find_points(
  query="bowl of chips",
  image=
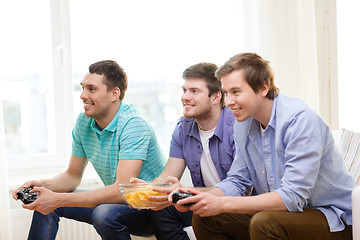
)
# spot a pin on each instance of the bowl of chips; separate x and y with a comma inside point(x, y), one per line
point(137, 194)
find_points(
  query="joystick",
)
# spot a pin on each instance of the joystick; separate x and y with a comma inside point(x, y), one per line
point(181, 195)
point(25, 196)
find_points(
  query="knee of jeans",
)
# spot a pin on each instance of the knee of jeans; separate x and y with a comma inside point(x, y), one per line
point(262, 222)
point(55, 215)
point(102, 215)
point(197, 222)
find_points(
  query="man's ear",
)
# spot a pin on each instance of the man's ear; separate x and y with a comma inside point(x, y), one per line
point(115, 93)
point(264, 89)
point(217, 97)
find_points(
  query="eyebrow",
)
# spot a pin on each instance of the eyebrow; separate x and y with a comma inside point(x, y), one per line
point(192, 88)
point(233, 88)
point(88, 85)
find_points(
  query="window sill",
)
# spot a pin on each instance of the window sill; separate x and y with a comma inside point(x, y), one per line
point(20, 176)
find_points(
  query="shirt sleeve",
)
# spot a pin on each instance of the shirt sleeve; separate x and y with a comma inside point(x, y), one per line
point(238, 181)
point(303, 141)
point(77, 147)
point(135, 139)
point(176, 144)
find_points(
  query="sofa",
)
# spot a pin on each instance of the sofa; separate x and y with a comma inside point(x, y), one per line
point(348, 143)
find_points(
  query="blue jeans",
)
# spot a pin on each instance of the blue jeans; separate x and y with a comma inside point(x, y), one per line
point(168, 223)
point(111, 221)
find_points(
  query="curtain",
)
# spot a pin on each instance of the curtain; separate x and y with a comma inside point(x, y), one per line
point(295, 37)
point(5, 228)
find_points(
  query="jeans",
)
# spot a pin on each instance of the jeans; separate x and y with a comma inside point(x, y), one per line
point(168, 223)
point(111, 221)
point(309, 224)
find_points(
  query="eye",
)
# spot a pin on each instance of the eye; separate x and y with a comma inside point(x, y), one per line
point(236, 92)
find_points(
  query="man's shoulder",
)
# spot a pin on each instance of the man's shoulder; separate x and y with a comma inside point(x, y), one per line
point(185, 121)
point(228, 117)
point(291, 107)
point(131, 118)
point(129, 111)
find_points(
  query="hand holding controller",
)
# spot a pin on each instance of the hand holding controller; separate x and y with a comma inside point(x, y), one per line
point(181, 195)
point(25, 196)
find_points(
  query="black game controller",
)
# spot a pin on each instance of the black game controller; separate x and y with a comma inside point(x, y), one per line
point(25, 196)
point(181, 195)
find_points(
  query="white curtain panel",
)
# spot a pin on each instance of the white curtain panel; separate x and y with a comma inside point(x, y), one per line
point(292, 35)
point(5, 230)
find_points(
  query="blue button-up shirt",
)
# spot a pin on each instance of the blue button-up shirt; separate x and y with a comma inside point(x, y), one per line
point(186, 144)
point(296, 157)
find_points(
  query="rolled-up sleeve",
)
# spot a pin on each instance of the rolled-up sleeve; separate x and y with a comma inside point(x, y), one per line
point(303, 147)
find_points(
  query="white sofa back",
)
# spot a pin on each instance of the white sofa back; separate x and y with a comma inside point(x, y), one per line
point(349, 147)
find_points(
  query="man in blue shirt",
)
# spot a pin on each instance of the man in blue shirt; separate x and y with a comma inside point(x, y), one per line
point(285, 151)
point(202, 141)
point(119, 143)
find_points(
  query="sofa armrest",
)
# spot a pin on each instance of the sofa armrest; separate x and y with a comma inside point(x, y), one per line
point(356, 212)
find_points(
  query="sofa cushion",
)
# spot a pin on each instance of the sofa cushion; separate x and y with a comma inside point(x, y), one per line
point(350, 151)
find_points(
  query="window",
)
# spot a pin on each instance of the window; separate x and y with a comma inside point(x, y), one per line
point(40, 75)
point(30, 79)
point(154, 41)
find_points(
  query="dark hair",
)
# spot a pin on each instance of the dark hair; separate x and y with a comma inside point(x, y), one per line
point(256, 72)
point(206, 71)
point(114, 75)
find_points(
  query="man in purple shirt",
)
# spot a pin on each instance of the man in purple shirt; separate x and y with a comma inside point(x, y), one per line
point(202, 141)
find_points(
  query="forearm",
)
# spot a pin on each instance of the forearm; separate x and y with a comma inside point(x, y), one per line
point(92, 198)
point(63, 182)
point(253, 204)
point(203, 189)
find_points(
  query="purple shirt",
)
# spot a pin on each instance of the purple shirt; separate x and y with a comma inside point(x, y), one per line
point(186, 144)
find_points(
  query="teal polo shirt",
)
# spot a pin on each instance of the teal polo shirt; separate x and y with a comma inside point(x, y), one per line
point(128, 136)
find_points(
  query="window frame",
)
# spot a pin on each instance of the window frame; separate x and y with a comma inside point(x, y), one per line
point(63, 98)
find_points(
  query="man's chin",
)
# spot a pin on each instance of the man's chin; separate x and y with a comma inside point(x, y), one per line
point(188, 115)
point(87, 113)
point(241, 118)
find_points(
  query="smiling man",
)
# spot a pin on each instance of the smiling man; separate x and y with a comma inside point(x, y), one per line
point(119, 143)
point(285, 151)
point(202, 141)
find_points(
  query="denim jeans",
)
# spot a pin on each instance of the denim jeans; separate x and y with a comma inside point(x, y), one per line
point(111, 221)
point(168, 223)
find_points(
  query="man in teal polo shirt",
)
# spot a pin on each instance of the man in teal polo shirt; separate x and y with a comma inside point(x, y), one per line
point(119, 143)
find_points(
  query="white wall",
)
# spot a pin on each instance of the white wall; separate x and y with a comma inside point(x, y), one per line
point(283, 32)
point(5, 230)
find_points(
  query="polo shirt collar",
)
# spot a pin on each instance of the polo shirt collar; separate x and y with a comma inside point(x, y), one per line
point(112, 125)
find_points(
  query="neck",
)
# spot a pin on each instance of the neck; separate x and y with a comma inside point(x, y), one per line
point(263, 116)
point(209, 121)
point(104, 121)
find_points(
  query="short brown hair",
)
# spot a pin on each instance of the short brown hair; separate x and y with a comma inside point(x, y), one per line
point(114, 75)
point(256, 72)
point(206, 71)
